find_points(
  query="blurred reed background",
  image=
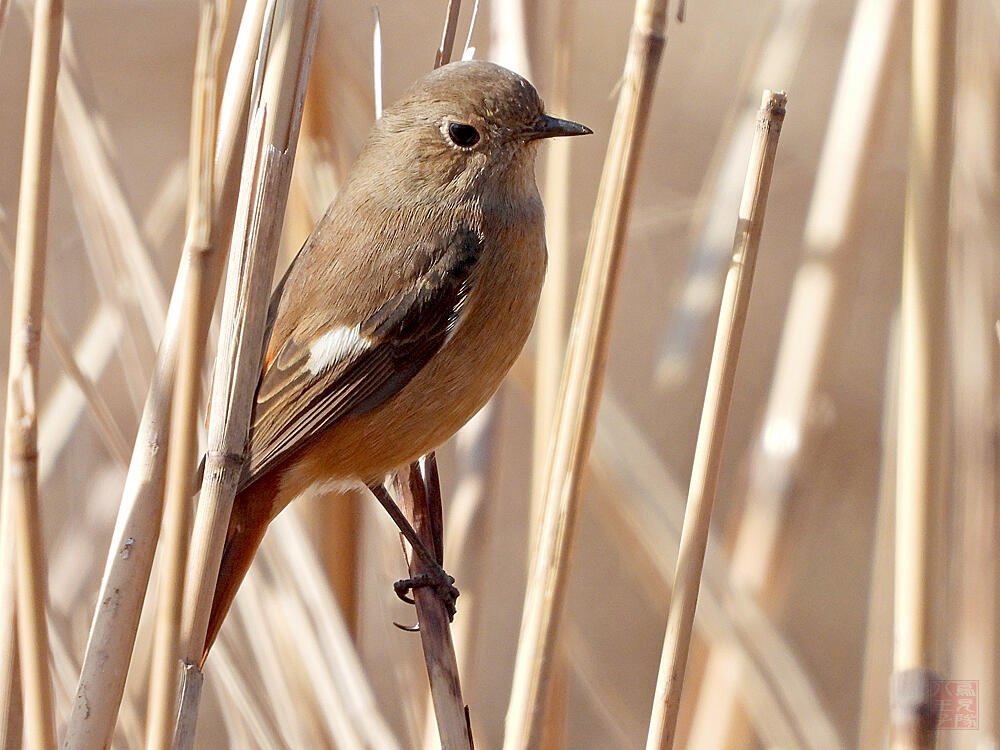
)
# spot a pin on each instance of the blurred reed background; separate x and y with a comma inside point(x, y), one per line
point(794, 635)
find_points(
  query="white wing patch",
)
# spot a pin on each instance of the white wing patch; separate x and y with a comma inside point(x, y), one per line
point(334, 346)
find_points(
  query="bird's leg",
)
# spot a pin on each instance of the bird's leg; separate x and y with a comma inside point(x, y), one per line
point(436, 578)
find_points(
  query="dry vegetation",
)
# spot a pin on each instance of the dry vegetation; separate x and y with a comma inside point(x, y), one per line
point(850, 457)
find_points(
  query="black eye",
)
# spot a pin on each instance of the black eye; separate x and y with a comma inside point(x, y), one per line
point(463, 135)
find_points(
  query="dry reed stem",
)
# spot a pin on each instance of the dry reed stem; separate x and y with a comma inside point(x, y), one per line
point(805, 339)
point(477, 455)
point(922, 458)
point(419, 493)
point(20, 449)
point(583, 378)
point(774, 57)
point(183, 441)
point(280, 79)
point(445, 50)
point(712, 431)
point(112, 634)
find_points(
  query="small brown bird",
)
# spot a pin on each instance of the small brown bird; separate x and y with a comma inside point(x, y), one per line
point(407, 304)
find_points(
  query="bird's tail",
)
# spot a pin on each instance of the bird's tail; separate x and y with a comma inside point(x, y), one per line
point(247, 524)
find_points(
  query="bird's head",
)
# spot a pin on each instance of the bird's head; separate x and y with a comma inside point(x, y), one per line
point(465, 127)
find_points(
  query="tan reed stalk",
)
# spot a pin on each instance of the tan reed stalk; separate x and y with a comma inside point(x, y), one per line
point(285, 56)
point(444, 52)
point(922, 457)
point(712, 432)
point(123, 587)
point(873, 45)
point(419, 494)
point(52, 334)
point(20, 449)
point(183, 442)
point(583, 378)
point(477, 456)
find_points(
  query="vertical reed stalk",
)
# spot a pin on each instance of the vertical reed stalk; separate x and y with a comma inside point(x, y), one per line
point(20, 449)
point(281, 76)
point(123, 588)
point(184, 410)
point(583, 379)
point(420, 500)
point(712, 432)
point(923, 423)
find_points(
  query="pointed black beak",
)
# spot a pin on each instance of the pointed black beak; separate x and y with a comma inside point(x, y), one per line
point(552, 127)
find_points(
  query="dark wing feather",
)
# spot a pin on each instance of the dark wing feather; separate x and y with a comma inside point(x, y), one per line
point(294, 403)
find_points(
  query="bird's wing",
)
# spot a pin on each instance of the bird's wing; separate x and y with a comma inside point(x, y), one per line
point(342, 370)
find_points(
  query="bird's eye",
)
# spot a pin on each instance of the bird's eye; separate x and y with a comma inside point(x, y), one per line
point(463, 135)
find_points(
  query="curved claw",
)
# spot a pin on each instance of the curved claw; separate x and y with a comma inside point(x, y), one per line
point(402, 589)
point(408, 628)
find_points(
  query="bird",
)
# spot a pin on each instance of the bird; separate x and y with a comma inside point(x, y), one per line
point(407, 304)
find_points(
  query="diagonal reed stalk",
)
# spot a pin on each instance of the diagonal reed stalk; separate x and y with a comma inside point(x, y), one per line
point(183, 445)
point(583, 378)
point(922, 457)
point(123, 587)
point(20, 450)
point(712, 432)
point(282, 73)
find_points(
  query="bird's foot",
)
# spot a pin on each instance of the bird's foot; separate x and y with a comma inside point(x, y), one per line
point(442, 583)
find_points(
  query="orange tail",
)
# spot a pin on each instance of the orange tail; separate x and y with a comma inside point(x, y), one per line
point(247, 524)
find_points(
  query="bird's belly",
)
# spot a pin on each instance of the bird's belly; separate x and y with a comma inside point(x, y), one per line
point(443, 396)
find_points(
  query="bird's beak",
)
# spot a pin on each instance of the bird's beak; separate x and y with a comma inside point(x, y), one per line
point(551, 127)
